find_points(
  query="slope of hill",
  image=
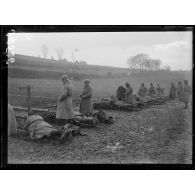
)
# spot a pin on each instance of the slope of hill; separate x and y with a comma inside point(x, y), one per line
point(35, 63)
point(36, 74)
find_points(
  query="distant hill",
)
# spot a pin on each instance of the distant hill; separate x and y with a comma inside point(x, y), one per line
point(29, 67)
point(41, 64)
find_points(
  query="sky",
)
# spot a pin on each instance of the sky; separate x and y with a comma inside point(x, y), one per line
point(109, 48)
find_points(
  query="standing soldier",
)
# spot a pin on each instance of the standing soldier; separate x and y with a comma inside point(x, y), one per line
point(186, 94)
point(86, 106)
point(158, 90)
point(180, 91)
point(129, 94)
point(172, 91)
point(65, 113)
point(151, 90)
point(142, 90)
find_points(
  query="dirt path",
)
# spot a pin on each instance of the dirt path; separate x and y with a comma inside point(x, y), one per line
point(159, 134)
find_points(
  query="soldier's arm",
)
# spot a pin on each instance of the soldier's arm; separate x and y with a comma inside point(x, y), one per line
point(88, 94)
point(64, 95)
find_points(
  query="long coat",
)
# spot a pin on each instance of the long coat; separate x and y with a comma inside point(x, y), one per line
point(64, 107)
point(180, 92)
point(151, 91)
point(86, 106)
point(186, 93)
point(129, 96)
point(142, 91)
point(158, 91)
point(173, 92)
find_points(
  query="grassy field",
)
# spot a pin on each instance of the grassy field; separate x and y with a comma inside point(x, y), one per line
point(158, 134)
point(101, 87)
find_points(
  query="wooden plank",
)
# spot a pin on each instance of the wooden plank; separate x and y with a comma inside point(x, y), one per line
point(21, 116)
point(33, 96)
point(33, 109)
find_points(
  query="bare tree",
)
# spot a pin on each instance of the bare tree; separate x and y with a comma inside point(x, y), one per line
point(132, 62)
point(148, 64)
point(143, 62)
point(157, 64)
point(60, 53)
point(168, 68)
point(44, 50)
point(140, 61)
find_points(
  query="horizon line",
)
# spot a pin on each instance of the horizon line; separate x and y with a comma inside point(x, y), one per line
point(92, 64)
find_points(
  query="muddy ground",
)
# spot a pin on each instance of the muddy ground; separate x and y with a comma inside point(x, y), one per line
point(158, 134)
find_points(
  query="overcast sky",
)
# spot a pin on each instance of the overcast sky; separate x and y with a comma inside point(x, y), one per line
point(111, 48)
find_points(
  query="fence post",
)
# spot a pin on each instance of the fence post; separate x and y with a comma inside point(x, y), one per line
point(29, 99)
point(28, 88)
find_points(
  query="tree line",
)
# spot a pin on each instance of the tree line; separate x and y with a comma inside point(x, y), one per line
point(144, 62)
point(141, 62)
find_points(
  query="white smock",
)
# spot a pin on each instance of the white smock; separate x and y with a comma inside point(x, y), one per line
point(11, 121)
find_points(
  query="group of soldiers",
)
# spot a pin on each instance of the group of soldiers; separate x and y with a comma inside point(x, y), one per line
point(143, 91)
point(183, 92)
point(126, 94)
point(65, 111)
point(65, 108)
